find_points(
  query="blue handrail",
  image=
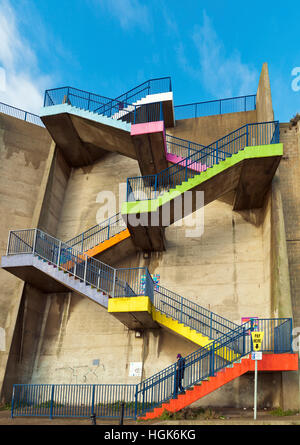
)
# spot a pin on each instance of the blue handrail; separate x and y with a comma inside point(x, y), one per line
point(215, 107)
point(21, 114)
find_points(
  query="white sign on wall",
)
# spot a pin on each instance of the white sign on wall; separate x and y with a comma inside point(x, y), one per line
point(2, 339)
point(135, 369)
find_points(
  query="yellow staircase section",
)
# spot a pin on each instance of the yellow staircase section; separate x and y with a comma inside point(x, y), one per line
point(192, 335)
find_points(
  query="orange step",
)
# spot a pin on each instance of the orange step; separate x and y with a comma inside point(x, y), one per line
point(270, 362)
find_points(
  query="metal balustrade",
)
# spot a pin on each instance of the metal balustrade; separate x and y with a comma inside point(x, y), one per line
point(106, 400)
point(104, 106)
point(152, 86)
point(151, 186)
point(191, 314)
point(181, 147)
point(98, 233)
point(21, 114)
point(215, 107)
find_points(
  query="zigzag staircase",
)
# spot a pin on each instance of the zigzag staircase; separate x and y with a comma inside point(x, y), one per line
point(53, 266)
point(243, 161)
point(86, 125)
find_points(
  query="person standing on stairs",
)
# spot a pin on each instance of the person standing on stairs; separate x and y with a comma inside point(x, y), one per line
point(179, 374)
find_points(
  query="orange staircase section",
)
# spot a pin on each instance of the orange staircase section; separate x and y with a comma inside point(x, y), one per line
point(270, 362)
point(99, 248)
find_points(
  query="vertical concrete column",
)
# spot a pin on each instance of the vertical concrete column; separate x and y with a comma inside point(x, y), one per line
point(264, 106)
point(281, 291)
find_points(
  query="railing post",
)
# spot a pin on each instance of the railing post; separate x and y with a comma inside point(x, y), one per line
point(93, 401)
point(82, 242)
point(8, 243)
point(58, 256)
point(181, 308)
point(247, 135)
point(12, 403)
point(217, 153)
point(85, 268)
point(51, 402)
point(210, 328)
point(155, 187)
point(220, 106)
point(161, 116)
point(244, 341)
point(34, 241)
point(175, 382)
point(136, 402)
point(114, 283)
point(212, 359)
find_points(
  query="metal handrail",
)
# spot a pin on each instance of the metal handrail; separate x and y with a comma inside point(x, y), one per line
point(216, 106)
point(21, 114)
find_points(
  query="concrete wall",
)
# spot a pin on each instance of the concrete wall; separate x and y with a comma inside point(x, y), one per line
point(208, 129)
point(24, 150)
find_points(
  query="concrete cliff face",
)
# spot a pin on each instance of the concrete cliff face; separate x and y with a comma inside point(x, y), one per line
point(24, 149)
point(65, 338)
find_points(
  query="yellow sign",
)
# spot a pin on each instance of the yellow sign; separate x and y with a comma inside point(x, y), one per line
point(257, 338)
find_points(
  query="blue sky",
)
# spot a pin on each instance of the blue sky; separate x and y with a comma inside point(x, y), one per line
point(210, 50)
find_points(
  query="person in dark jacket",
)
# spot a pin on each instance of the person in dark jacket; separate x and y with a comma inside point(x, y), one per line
point(179, 375)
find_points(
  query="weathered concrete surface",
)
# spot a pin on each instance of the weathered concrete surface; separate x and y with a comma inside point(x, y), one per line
point(24, 150)
point(264, 107)
point(288, 183)
point(207, 129)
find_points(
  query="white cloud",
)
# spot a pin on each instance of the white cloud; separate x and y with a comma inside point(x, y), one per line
point(129, 13)
point(221, 74)
point(24, 85)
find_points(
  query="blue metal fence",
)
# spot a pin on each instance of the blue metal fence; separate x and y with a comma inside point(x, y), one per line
point(214, 107)
point(151, 186)
point(98, 233)
point(105, 400)
point(112, 108)
point(21, 114)
point(122, 282)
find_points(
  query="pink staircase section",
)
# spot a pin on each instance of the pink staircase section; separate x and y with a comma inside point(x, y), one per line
point(159, 127)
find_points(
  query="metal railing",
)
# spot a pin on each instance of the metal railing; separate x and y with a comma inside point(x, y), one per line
point(131, 97)
point(181, 147)
point(191, 314)
point(214, 107)
point(151, 186)
point(98, 233)
point(21, 114)
point(101, 400)
point(206, 362)
point(104, 106)
point(106, 400)
point(122, 282)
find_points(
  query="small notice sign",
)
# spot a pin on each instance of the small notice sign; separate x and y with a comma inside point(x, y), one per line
point(257, 338)
point(256, 355)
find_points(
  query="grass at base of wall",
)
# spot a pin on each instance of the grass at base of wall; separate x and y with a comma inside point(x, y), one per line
point(279, 412)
